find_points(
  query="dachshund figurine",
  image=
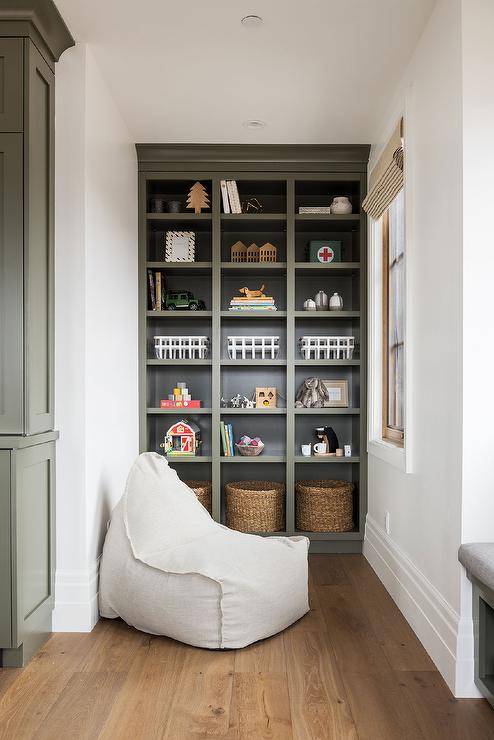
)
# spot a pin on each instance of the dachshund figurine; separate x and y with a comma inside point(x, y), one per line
point(252, 293)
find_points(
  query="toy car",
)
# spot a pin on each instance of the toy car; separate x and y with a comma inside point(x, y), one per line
point(183, 300)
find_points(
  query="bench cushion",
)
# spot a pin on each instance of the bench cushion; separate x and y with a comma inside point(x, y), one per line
point(478, 559)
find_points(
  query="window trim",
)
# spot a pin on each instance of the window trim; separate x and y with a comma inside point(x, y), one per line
point(389, 433)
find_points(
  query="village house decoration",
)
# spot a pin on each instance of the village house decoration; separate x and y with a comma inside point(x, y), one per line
point(324, 251)
point(180, 246)
point(198, 198)
point(182, 439)
point(266, 398)
point(239, 252)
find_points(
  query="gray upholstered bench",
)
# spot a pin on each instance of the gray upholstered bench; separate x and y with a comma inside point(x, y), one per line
point(478, 559)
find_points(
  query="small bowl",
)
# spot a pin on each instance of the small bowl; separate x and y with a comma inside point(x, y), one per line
point(250, 450)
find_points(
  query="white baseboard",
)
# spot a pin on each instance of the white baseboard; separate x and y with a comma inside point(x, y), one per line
point(436, 624)
point(76, 600)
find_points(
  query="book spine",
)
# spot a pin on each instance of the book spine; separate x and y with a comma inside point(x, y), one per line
point(223, 438)
point(152, 297)
point(236, 197)
point(229, 187)
point(158, 291)
point(224, 195)
point(227, 442)
point(230, 435)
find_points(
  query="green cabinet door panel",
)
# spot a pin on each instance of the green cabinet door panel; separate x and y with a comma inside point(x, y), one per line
point(10, 85)
point(5, 552)
point(11, 284)
point(38, 255)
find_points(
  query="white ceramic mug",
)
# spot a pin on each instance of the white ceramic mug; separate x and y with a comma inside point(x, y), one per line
point(320, 448)
point(306, 450)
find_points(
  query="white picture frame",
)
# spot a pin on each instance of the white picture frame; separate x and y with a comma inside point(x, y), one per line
point(180, 246)
point(338, 393)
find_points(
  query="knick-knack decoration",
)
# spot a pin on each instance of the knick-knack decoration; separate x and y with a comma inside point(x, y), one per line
point(198, 197)
point(321, 299)
point(336, 302)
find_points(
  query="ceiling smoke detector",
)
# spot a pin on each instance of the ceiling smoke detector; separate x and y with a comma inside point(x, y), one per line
point(251, 21)
point(254, 123)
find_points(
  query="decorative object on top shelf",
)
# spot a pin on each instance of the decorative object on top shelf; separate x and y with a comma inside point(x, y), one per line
point(174, 206)
point(328, 443)
point(266, 398)
point(251, 206)
point(230, 197)
point(337, 393)
point(324, 505)
point(255, 506)
point(203, 490)
point(321, 300)
point(310, 305)
point(182, 438)
point(324, 251)
point(250, 447)
point(239, 252)
point(252, 300)
point(198, 198)
point(312, 394)
point(341, 205)
point(182, 300)
point(157, 205)
point(315, 209)
point(253, 348)
point(240, 402)
point(180, 246)
point(327, 348)
point(336, 302)
point(180, 399)
point(181, 348)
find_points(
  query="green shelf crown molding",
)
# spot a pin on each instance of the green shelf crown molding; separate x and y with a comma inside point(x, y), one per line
point(38, 20)
point(271, 157)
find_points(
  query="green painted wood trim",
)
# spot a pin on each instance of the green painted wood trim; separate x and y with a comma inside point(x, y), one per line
point(38, 20)
point(5, 551)
point(18, 442)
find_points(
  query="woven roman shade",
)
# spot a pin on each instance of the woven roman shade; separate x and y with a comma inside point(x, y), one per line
point(386, 179)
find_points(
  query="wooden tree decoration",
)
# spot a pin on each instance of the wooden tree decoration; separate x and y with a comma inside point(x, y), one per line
point(198, 197)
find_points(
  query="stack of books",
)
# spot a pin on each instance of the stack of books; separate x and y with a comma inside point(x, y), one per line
point(227, 444)
point(240, 303)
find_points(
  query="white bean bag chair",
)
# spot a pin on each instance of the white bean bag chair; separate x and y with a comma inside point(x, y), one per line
point(169, 569)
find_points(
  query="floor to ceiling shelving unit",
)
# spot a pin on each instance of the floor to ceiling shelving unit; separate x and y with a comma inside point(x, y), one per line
point(282, 187)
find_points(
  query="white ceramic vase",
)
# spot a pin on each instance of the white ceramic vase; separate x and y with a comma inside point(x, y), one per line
point(336, 302)
point(341, 205)
point(309, 305)
point(321, 299)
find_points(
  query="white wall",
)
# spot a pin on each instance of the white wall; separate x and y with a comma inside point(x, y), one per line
point(418, 559)
point(96, 326)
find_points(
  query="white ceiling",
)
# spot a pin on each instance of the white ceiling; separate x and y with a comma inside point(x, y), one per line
point(317, 71)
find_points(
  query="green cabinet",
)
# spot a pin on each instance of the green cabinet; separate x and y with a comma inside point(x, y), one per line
point(27, 554)
point(11, 98)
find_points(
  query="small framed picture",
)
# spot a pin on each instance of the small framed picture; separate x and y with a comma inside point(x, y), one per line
point(180, 246)
point(338, 393)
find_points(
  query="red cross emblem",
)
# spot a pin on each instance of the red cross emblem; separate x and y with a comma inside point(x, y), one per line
point(325, 254)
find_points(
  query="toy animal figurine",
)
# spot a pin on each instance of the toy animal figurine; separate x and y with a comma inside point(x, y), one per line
point(252, 293)
point(312, 394)
point(236, 401)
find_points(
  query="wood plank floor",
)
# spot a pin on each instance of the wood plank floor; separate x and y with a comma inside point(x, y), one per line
point(351, 668)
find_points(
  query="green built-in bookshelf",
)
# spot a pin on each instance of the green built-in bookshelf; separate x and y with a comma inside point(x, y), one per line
point(283, 179)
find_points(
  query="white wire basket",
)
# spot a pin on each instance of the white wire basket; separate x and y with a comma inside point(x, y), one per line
point(253, 348)
point(181, 348)
point(327, 348)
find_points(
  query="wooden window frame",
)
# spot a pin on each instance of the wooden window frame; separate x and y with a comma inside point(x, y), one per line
point(389, 433)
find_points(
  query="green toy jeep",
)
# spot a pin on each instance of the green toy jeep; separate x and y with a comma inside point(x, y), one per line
point(183, 300)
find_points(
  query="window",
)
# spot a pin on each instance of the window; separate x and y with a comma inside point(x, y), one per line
point(393, 323)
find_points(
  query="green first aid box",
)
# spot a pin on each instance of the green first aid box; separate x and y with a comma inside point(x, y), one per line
point(324, 251)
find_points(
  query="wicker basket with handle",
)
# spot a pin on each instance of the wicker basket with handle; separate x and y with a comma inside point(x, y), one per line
point(202, 489)
point(324, 505)
point(255, 506)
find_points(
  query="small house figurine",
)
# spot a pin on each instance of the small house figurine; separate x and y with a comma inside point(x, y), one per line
point(267, 253)
point(253, 253)
point(238, 252)
point(182, 438)
point(265, 398)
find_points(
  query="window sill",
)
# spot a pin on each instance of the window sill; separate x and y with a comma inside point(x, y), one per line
point(389, 453)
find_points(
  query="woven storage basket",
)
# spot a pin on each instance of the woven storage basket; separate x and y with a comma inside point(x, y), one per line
point(255, 506)
point(324, 505)
point(202, 489)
